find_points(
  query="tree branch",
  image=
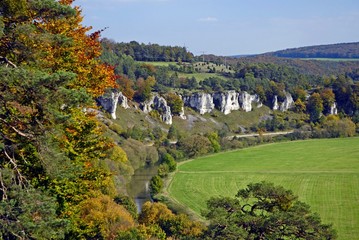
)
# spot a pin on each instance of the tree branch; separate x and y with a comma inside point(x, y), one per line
point(3, 187)
point(7, 61)
point(27, 135)
point(20, 177)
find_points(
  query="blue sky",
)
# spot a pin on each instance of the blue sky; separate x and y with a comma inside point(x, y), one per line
point(225, 27)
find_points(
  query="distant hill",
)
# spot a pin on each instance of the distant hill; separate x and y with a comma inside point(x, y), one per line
point(339, 50)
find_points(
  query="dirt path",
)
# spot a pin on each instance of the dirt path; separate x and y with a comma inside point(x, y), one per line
point(257, 134)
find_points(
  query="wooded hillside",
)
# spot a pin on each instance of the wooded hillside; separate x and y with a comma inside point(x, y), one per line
point(340, 50)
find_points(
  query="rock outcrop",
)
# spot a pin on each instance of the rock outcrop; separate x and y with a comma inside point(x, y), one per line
point(275, 103)
point(245, 99)
point(334, 109)
point(226, 102)
point(160, 104)
point(287, 104)
point(202, 102)
point(109, 102)
point(181, 114)
point(123, 101)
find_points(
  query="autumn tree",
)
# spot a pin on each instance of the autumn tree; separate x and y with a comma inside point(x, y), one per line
point(175, 102)
point(104, 218)
point(50, 140)
point(126, 86)
point(175, 226)
point(144, 88)
point(195, 145)
point(328, 99)
point(315, 107)
point(299, 106)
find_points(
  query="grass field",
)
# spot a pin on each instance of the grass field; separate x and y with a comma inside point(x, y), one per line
point(201, 76)
point(323, 173)
point(159, 64)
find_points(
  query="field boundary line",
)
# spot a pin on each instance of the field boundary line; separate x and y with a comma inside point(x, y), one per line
point(334, 172)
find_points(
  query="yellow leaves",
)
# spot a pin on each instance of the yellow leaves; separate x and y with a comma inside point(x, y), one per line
point(55, 43)
point(117, 154)
point(154, 212)
point(103, 213)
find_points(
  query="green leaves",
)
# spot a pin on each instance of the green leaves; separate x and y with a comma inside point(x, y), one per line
point(264, 211)
point(29, 214)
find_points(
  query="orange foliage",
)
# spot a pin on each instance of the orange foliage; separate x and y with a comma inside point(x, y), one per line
point(77, 52)
point(40, 39)
point(154, 212)
point(126, 86)
point(103, 213)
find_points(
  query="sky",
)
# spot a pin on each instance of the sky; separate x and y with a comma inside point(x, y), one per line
point(225, 27)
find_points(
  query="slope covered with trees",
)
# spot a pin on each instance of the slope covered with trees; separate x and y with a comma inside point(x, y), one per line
point(64, 165)
point(58, 171)
point(340, 50)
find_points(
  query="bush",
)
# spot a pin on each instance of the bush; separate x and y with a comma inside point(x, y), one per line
point(170, 162)
point(156, 185)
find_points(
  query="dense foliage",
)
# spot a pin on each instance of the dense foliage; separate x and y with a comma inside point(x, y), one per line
point(148, 52)
point(61, 176)
point(340, 50)
point(264, 211)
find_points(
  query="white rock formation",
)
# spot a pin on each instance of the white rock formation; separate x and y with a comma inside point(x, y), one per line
point(245, 99)
point(123, 101)
point(275, 103)
point(109, 102)
point(226, 102)
point(202, 102)
point(334, 109)
point(181, 114)
point(160, 104)
point(287, 104)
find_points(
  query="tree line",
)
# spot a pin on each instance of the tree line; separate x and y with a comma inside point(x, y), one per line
point(340, 50)
point(148, 52)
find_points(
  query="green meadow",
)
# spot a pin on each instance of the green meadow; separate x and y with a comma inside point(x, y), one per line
point(324, 173)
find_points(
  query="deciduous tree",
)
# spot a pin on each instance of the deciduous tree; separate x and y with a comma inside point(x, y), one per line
point(264, 211)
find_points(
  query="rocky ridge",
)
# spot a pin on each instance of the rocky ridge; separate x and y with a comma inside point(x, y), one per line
point(225, 102)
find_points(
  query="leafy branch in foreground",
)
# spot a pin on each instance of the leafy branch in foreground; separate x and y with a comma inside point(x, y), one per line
point(264, 211)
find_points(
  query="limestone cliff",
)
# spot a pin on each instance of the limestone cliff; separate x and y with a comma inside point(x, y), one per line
point(202, 102)
point(275, 103)
point(123, 101)
point(109, 102)
point(287, 104)
point(246, 100)
point(334, 109)
point(158, 103)
point(226, 102)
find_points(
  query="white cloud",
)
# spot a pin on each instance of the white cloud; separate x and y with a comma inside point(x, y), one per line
point(208, 19)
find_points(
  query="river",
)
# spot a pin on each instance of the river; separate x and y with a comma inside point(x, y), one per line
point(138, 188)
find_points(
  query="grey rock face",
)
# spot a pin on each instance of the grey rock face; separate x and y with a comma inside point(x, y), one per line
point(109, 102)
point(123, 101)
point(245, 99)
point(202, 102)
point(287, 104)
point(160, 104)
point(226, 102)
point(334, 109)
point(181, 114)
point(275, 103)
